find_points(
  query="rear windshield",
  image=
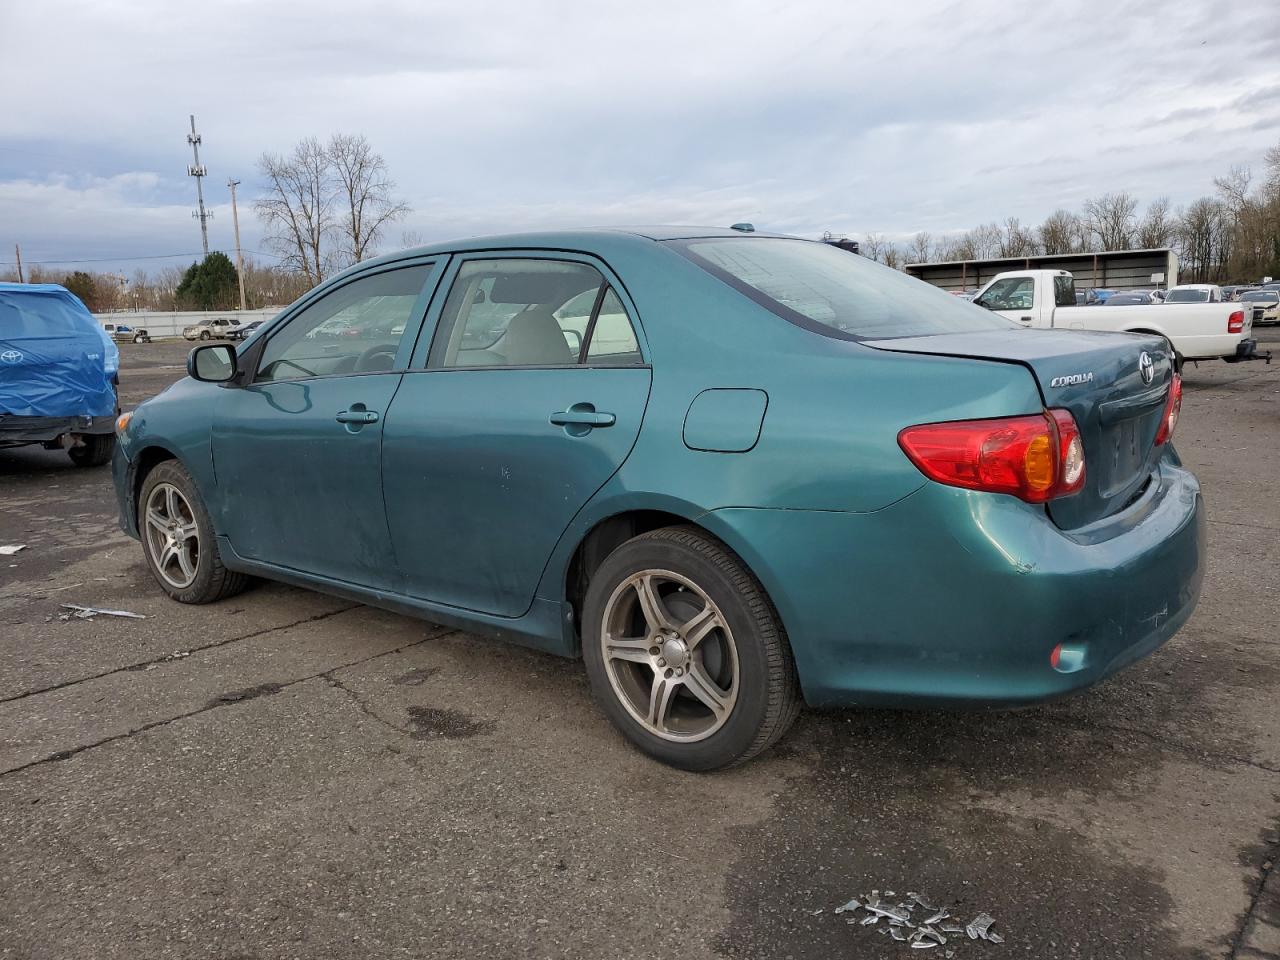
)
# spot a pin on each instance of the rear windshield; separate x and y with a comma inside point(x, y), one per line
point(1187, 296)
point(1263, 296)
point(835, 292)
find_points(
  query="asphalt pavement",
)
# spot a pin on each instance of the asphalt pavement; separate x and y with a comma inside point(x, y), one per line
point(284, 774)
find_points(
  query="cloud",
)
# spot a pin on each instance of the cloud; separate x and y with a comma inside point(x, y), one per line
point(496, 116)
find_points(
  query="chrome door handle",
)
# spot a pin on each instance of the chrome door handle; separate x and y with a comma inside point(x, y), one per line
point(357, 416)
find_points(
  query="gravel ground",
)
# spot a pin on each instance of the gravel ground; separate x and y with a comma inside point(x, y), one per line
point(288, 775)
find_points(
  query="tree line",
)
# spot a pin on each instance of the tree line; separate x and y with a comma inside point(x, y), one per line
point(1231, 235)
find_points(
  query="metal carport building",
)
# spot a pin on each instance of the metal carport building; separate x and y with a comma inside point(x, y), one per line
point(1112, 269)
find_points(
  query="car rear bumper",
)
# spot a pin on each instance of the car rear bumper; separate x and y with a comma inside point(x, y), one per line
point(951, 597)
point(19, 431)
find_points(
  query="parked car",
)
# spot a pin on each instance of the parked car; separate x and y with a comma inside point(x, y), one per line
point(1196, 331)
point(58, 374)
point(126, 334)
point(1098, 295)
point(1194, 293)
point(1129, 298)
point(786, 474)
point(1265, 305)
point(242, 333)
point(214, 327)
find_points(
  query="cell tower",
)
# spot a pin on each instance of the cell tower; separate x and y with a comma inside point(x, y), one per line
point(198, 171)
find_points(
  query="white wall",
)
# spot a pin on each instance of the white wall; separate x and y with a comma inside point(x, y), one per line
point(171, 324)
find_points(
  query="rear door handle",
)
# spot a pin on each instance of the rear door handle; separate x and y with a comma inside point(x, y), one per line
point(583, 415)
point(357, 416)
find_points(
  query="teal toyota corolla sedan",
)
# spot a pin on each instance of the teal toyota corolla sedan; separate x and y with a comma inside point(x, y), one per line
point(733, 472)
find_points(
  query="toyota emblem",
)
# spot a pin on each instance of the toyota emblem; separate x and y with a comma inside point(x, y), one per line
point(1146, 367)
point(11, 356)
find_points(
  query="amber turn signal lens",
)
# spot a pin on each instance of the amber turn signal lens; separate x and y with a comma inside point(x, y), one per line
point(122, 422)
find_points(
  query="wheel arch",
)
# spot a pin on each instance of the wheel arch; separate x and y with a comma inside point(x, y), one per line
point(610, 532)
point(146, 460)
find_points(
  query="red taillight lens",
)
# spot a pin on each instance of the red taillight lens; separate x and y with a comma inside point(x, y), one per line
point(1172, 407)
point(1235, 322)
point(1037, 457)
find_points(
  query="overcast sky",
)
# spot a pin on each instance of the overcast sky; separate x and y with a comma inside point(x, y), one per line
point(495, 116)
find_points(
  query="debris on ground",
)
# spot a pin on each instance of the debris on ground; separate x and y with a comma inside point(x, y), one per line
point(88, 613)
point(9, 549)
point(923, 932)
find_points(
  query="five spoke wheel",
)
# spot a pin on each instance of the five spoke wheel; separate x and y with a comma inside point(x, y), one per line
point(172, 535)
point(670, 655)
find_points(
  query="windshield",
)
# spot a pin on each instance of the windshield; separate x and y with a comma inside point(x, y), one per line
point(1187, 296)
point(1261, 296)
point(835, 292)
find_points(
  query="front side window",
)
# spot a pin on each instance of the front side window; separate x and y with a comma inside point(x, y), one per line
point(834, 292)
point(356, 328)
point(516, 312)
point(1011, 293)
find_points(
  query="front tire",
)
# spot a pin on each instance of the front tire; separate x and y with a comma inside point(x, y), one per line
point(205, 335)
point(685, 653)
point(95, 450)
point(178, 540)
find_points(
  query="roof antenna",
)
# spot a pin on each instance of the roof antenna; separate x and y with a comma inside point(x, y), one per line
point(744, 227)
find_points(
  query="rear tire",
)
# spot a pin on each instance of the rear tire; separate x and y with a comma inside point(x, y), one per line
point(178, 539)
point(95, 451)
point(721, 686)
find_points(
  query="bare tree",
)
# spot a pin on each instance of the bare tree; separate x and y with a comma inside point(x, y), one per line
point(364, 194)
point(1200, 238)
point(410, 238)
point(920, 249)
point(1157, 227)
point(873, 247)
point(297, 209)
point(986, 240)
point(1017, 240)
point(891, 255)
point(1111, 219)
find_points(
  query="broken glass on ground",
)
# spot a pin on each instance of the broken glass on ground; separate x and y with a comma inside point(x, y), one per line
point(88, 613)
point(925, 931)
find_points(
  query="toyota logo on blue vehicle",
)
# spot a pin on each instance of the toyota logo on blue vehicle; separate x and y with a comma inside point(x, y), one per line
point(1146, 367)
point(11, 356)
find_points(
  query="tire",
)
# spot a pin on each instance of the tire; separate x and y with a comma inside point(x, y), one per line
point(723, 628)
point(96, 451)
point(205, 335)
point(208, 579)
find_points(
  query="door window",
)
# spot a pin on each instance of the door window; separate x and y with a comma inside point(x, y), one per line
point(1011, 293)
point(516, 313)
point(356, 328)
point(613, 339)
point(1064, 291)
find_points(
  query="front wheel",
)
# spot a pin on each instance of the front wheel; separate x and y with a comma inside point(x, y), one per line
point(178, 539)
point(205, 335)
point(685, 652)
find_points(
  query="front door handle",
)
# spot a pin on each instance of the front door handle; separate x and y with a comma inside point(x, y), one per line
point(1026, 319)
point(357, 415)
point(583, 415)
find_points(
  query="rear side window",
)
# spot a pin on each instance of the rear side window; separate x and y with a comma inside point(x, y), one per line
point(1064, 291)
point(835, 292)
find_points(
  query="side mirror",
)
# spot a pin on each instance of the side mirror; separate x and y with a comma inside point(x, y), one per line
point(212, 363)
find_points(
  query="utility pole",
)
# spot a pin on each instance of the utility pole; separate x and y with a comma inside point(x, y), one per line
point(235, 222)
point(199, 172)
point(17, 249)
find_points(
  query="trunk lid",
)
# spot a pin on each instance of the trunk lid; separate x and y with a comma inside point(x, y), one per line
point(1099, 378)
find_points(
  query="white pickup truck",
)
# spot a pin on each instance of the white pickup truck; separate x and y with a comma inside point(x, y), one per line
point(1198, 331)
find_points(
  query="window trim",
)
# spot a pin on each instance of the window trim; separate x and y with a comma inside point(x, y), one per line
point(251, 355)
point(444, 286)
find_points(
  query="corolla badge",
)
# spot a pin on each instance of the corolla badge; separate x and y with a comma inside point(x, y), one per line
point(11, 356)
point(1146, 367)
point(1072, 380)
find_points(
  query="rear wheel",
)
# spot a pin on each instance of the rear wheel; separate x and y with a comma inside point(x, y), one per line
point(685, 652)
point(95, 450)
point(178, 539)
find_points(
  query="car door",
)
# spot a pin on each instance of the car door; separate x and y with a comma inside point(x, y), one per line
point(1011, 297)
point(297, 450)
point(508, 425)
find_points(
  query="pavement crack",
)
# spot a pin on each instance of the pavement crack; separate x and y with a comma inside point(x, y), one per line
point(1268, 870)
point(364, 708)
point(1200, 756)
point(168, 657)
point(218, 703)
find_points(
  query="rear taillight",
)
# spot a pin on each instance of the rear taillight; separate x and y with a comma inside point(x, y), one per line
point(1172, 407)
point(1235, 322)
point(1035, 458)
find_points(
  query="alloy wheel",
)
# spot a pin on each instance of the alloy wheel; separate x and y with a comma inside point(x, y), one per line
point(173, 538)
point(670, 655)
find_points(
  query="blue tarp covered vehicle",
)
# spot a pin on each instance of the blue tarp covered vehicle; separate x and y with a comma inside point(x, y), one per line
point(58, 373)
